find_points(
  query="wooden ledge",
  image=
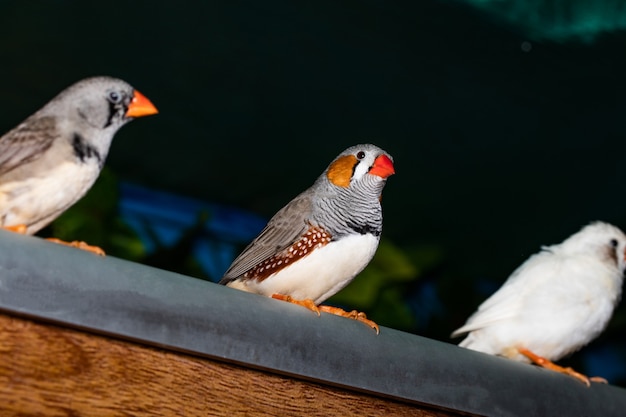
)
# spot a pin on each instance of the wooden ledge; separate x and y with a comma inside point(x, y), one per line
point(122, 330)
point(54, 371)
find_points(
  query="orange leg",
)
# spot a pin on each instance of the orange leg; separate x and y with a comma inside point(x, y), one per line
point(21, 229)
point(78, 244)
point(18, 228)
point(355, 315)
point(545, 363)
point(308, 303)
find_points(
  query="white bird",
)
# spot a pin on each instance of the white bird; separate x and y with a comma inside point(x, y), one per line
point(556, 302)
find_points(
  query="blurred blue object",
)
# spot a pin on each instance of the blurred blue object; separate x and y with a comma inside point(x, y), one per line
point(426, 304)
point(606, 361)
point(162, 219)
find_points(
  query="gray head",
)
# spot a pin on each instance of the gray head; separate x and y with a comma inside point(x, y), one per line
point(99, 102)
point(349, 190)
point(90, 112)
point(358, 163)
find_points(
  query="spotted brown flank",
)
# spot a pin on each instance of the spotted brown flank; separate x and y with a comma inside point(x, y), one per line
point(340, 172)
point(315, 237)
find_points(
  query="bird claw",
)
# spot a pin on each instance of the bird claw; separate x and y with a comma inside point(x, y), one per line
point(355, 315)
point(307, 303)
point(18, 228)
point(78, 244)
point(569, 371)
point(598, 379)
point(21, 229)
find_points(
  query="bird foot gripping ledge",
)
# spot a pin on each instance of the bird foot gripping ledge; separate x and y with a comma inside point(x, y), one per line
point(22, 228)
point(354, 315)
point(79, 245)
point(545, 363)
point(307, 303)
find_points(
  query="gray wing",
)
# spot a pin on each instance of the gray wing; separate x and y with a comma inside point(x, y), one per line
point(281, 232)
point(26, 142)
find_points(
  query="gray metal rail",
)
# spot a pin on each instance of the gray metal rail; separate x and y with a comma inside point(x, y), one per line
point(110, 296)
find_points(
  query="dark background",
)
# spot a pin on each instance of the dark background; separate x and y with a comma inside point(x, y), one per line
point(505, 121)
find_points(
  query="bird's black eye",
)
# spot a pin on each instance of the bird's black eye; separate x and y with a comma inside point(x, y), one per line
point(115, 97)
point(614, 242)
point(360, 155)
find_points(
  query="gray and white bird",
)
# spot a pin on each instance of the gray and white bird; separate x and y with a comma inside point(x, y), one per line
point(556, 302)
point(50, 160)
point(318, 242)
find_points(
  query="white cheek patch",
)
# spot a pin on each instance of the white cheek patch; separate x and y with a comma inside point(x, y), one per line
point(362, 167)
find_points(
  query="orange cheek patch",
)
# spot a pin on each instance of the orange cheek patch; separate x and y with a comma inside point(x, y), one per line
point(340, 171)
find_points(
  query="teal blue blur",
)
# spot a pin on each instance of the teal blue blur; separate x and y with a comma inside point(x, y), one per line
point(556, 20)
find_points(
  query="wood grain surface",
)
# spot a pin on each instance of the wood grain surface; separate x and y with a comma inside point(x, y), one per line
point(46, 370)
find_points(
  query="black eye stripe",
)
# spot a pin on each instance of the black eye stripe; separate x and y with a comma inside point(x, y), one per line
point(112, 112)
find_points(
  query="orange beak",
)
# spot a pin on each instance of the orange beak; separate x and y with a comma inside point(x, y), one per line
point(383, 167)
point(140, 106)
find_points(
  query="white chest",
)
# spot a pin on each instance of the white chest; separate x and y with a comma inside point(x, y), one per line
point(38, 199)
point(320, 274)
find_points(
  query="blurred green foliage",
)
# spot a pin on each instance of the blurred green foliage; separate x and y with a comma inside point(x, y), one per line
point(95, 220)
point(381, 289)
